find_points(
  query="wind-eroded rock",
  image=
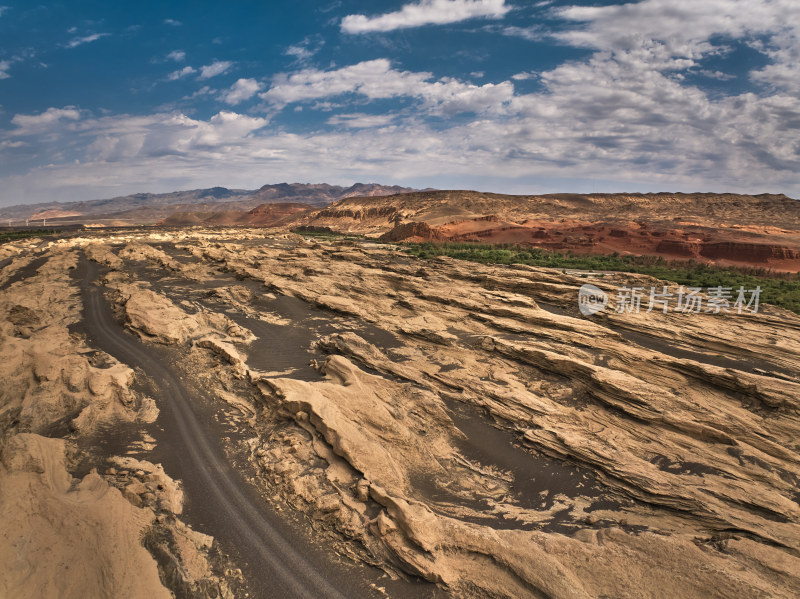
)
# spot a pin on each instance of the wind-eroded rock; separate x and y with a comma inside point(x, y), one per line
point(152, 315)
point(684, 451)
point(49, 377)
point(49, 519)
point(471, 427)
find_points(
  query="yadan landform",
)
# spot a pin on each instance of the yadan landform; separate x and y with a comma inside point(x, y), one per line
point(290, 411)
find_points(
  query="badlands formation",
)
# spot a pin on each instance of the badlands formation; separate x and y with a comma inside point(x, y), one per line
point(760, 231)
point(224, 413)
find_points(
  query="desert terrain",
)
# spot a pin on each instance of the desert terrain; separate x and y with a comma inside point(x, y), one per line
point(724, 229)
point(761, 231)
point(231, 412)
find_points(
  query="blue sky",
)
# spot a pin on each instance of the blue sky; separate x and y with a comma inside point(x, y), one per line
point(100, 99)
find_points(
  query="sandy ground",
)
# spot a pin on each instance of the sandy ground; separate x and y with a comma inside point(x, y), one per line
point(460, 427)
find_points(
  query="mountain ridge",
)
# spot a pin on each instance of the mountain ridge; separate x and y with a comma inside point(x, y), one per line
point(207, 199)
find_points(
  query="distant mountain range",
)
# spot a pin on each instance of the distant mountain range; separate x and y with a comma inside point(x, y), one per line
point(758, 231)
point(149, 208)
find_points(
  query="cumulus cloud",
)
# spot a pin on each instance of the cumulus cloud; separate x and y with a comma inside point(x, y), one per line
point(242, 90)
point(426, 12)
point(177, 56)
point(172, 22)
point(218, 67)
point(35, 123)
point(79, 41)
point(679, 34)
point(683, 25)
point(556, 134)
point(376, 79)
point(625, 113)
point(684, 31)
point(588, 122)
point(5, 65)
point(124, 138)
point(180, 73)
point(783, 72)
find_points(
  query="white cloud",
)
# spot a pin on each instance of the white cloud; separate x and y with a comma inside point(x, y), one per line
point(35, 123)
point(203, 91)
point(376, 79)
point(683, 30)
point(306, 49)
point(626, 113)
point(156, 137)
point(5, 65)
point(680, 24)
point(534, 33)
point(718, 75)
point(679, 34)
point(242, 90)
point(79, 41)
point(589, 123)
point(299, 51)
point(3, 9)
point(426, 12)
point(360, 121)
point(373, 78)
point(784, 71)
point(177, 56)
point(180, 73)
point(218, 67)
point(172, 22)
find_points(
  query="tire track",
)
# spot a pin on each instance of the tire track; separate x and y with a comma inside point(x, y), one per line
point(282, 570)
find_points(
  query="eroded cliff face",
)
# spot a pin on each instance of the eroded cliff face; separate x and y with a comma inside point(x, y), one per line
point(710, 209)
point(463, 424)
point(729, 229)
point(747, 252)
point(413, 232)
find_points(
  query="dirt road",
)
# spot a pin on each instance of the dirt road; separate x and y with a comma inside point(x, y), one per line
point(280, 565)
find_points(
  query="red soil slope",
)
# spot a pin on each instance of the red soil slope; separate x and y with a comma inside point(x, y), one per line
point(726, 229)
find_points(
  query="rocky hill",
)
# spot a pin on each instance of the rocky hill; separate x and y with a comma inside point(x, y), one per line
point(441, 207)
point(264, 215)
point(149, 208)
point(757, 230)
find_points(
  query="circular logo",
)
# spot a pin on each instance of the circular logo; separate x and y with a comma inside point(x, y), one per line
point(591, 300)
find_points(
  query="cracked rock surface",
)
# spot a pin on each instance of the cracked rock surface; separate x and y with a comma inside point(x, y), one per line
point(449, 422)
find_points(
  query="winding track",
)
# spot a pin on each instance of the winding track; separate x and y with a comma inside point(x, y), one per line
point(282, 569)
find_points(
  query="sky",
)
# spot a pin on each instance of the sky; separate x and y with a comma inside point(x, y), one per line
point(101, 99)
